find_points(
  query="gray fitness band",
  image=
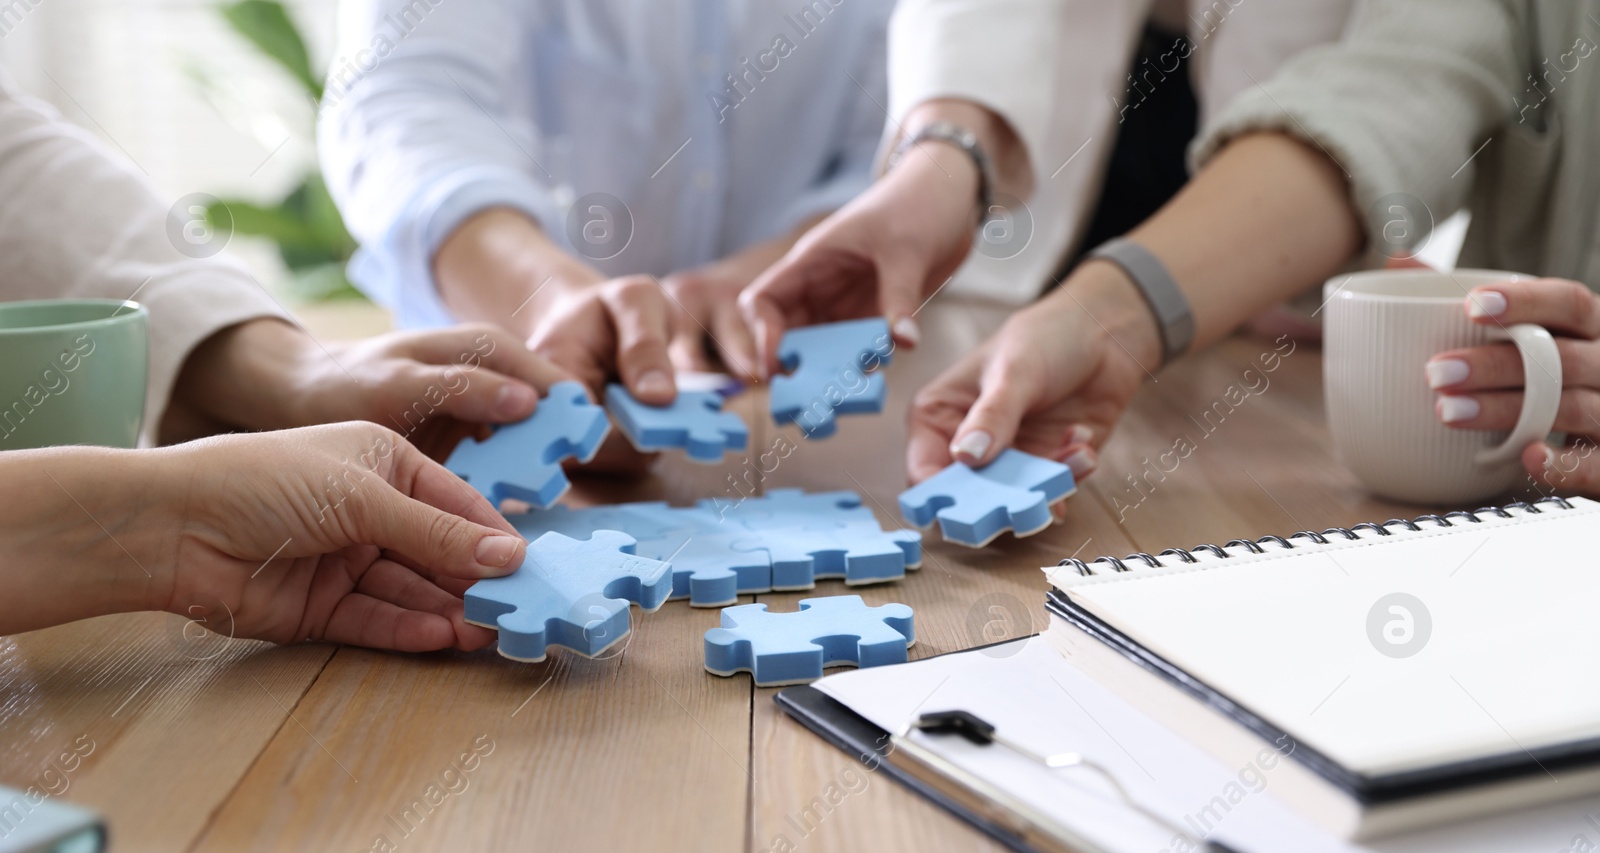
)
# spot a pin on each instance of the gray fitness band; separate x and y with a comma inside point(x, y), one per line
point(1150, 275)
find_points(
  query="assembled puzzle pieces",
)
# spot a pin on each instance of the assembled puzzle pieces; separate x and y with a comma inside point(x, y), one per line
point(523, 460)
point(830, 375)
point(643, 521)
point(859, 554)
point(973, 506)
point(785, 508)
point(569, 593)
point(794, 648)
point(693, 421)
point(708, 570)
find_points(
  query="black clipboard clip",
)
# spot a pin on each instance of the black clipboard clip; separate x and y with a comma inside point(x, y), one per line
point(975, 729)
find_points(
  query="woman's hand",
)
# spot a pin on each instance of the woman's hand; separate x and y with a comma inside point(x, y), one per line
point(434, 387)
point(1481, 388)
point(342, 533)
point(1052, 381)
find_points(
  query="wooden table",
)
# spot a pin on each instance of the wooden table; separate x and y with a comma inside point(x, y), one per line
point(206, 744)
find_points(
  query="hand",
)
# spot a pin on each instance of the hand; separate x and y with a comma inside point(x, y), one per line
point(616, 328)
point(1481, 388)
point(706, 299)
point(342, 533)
point(882, 254)
point(434, 387)
point(1052, 381)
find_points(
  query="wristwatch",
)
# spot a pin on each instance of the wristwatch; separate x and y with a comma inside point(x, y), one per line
point(962, 138)
point(1167, 302)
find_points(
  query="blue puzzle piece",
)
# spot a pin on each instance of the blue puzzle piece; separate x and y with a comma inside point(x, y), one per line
point(858, 554)
point(793, 648)
point(708, 570)
point(784, 508)
point(829, 375)
point(643, 521)
point(693, 421)
point(569, 593)
point(1014, 492)
point(523, 460)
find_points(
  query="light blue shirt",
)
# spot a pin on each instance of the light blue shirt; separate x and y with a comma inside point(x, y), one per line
point(645, 136)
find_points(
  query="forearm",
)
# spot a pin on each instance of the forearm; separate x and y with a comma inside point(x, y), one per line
point(499, 266)
point(1007, 155)
point(1266, 219)
point(80, 535)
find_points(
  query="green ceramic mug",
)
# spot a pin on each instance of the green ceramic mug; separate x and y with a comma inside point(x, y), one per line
point(72, 371)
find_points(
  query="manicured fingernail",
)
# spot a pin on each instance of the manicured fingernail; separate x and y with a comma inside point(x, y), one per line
point(973, 445)
point(1549, 458)
point(654, 382)
point(1486, 303)
point(1443, 372)
point(1083, 463)
point(1079, 434)
point(495, 552)
point(907, 331)
point(515, 400)
point(1454, 410)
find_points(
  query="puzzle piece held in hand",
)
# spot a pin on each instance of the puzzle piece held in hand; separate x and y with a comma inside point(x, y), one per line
point(708, 570)
point(793, 648)
point(973, 506)
point(570, 593)
point(786, 508)
point(523, 460)
point(859, 554)
point(643, 521)
point(830, 375)
point(693, 421)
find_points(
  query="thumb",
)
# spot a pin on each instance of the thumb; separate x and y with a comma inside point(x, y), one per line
point(991, 424)
point(901, 283)
point(761, 305)
point(433, 540)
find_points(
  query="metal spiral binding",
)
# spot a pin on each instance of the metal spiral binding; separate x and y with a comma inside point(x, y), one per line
point(1254, 546)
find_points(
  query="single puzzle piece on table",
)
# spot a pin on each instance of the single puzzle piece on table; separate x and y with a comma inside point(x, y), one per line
point(830, 375)
point(794, 648)
point(693, 421)
point(973, 506)
point(860, 554)
point(570, 593)
point(784, 508)
point(708, 570)
point(523, 460)
point(643, 521)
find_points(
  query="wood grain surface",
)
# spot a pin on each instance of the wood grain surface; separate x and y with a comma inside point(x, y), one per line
point(201, 743)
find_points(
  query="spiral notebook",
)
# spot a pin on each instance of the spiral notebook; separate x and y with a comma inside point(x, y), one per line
point(1417, 671)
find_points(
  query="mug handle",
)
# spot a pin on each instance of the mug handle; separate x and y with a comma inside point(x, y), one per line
point(1541, 382)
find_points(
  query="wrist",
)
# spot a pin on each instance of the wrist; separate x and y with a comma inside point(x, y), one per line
point(83, 533)
point(1112, 300)
point(241, 378)
point(1000, 143)
point(499, 266)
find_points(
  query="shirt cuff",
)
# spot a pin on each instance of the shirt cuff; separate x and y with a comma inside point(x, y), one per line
point(185, 310)
point(397, 271)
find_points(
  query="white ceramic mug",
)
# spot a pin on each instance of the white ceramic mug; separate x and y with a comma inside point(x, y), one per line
point(1380, 330)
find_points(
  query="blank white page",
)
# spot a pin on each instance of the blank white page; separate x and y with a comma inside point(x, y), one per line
point(1509, 664)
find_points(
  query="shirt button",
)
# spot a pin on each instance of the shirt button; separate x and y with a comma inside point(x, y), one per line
point(704, 179)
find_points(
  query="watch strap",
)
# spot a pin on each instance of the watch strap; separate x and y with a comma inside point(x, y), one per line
point(1171, 308)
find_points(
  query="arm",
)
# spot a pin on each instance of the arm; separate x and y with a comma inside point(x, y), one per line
point(342, 533)
point(1270, 214)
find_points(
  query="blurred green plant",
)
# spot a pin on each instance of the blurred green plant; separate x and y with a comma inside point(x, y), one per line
point(305, 225)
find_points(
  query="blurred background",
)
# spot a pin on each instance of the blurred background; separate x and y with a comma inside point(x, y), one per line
point(210, 100)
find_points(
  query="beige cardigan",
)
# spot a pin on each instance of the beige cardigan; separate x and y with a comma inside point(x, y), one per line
point(1489, 104)
point(75, 222)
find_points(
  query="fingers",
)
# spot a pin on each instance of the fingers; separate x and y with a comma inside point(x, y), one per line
point(734, 340)
point(1499, 366)
point(936, 413)
point(1578, 412)
point(393, 583)
point(361, 620)
point(762, 305)
point(642, 315)
point(1568, 470)
point(1004, 398)
point(900, 287)
point(1557, 304)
